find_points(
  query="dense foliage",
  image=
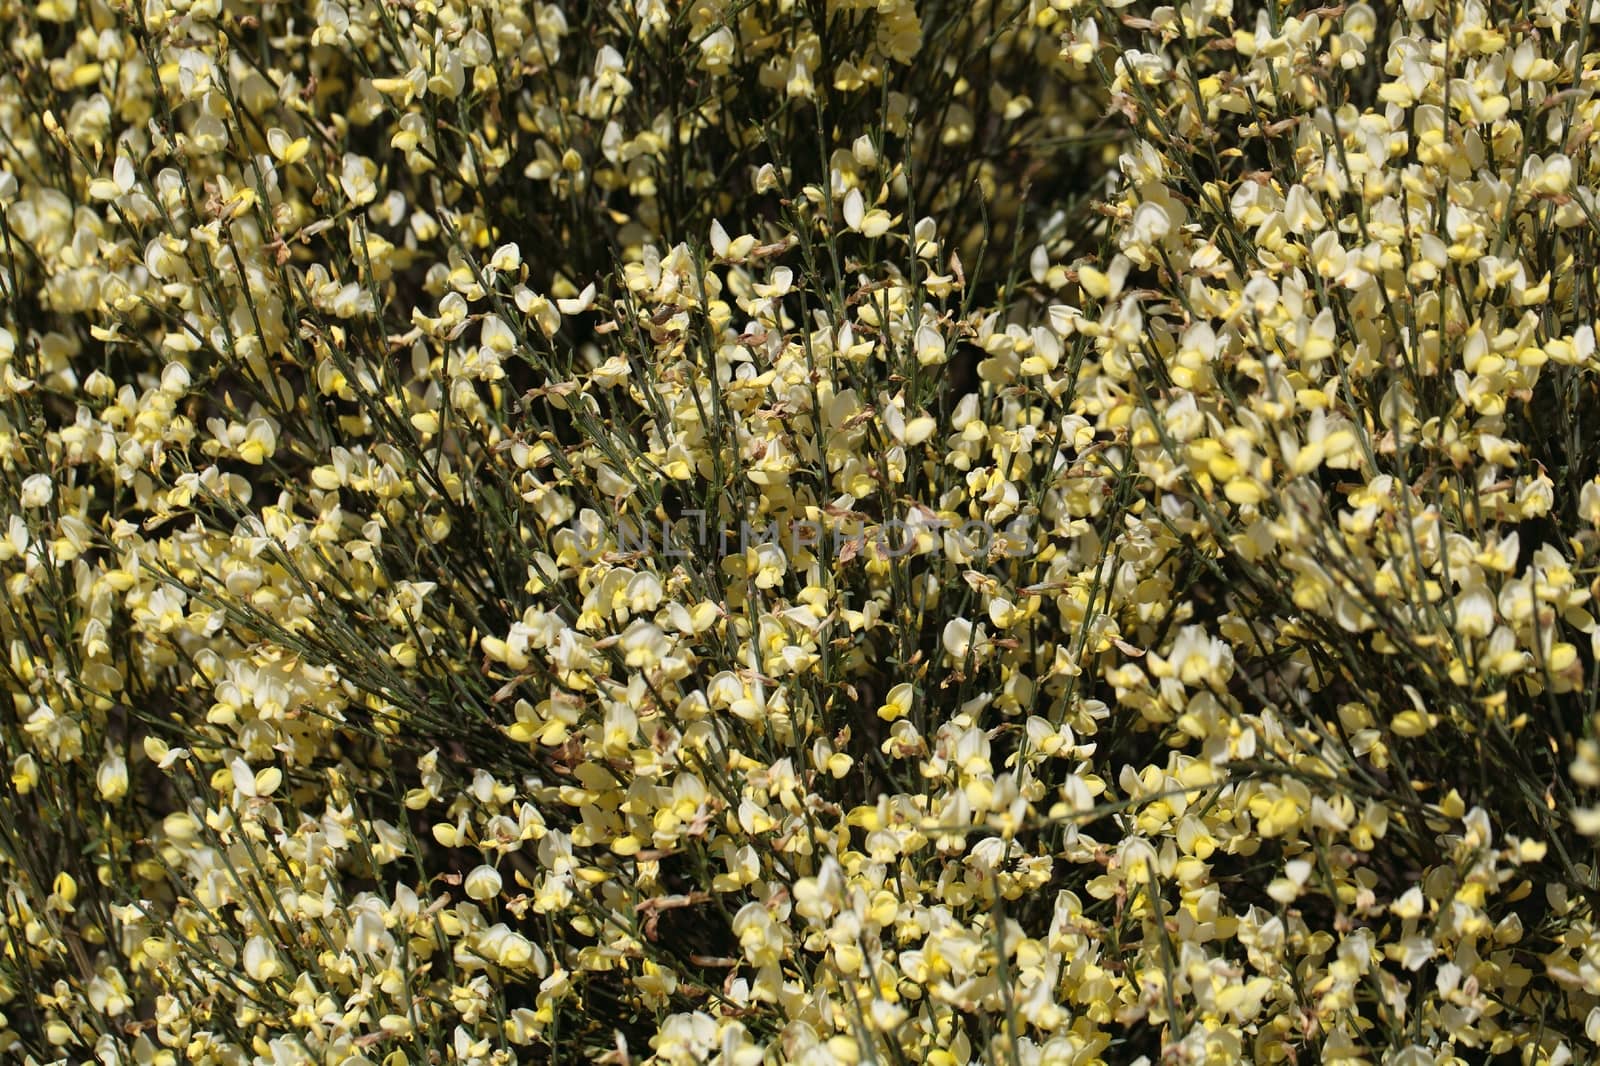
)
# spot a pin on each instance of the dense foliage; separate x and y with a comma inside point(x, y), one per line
point(824, 531)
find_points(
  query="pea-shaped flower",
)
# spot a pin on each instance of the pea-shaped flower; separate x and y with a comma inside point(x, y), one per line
point(483, 883)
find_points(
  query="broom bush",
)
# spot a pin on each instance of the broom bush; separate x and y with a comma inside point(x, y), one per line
point(818, 531)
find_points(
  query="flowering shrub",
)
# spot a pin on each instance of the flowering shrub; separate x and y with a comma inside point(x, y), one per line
point(1017, 531)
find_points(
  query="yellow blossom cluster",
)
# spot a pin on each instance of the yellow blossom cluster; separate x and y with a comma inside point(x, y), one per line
point(1036, 532)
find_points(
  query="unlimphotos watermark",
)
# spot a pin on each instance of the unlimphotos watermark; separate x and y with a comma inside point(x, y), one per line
point(691, 535)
